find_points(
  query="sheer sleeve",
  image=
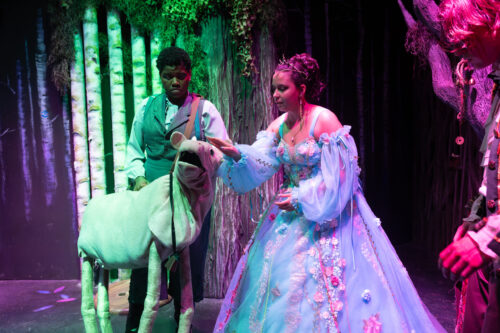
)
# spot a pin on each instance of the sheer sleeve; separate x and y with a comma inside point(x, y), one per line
point(324, 196)
point(257, 164)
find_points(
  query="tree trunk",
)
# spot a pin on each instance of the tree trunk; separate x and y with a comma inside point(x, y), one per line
point(138, 68)
point(47, 138)
point(155, 51)
point(94, 103)
point(117, 90)
point(31, 107)
point(79, 131)
point(246, 109)
point(25, 153)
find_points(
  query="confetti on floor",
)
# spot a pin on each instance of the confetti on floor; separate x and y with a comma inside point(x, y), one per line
point(43, 291)
point(43, 308)
point(64, 300)
point(59, 289)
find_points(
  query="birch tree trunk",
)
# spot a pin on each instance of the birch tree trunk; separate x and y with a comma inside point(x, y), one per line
point(117, 91)
point(138, 68)
point(245, 109)
point(25, 153)
point(155, 51)
point(66, 112)
point(31, 107)
point(47, 138)
point(94, 103)
point(79, 131)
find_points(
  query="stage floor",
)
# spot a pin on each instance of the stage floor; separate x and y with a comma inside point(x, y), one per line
point(54, 305)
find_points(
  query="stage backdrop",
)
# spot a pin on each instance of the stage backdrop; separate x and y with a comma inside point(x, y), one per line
point(62, 136)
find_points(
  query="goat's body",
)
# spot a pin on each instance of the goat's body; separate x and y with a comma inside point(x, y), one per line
point(133, 229)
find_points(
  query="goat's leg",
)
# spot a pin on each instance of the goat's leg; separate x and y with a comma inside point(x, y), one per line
point(88, 311)
point(187, 306)
point(153, 291)
point(103, 301)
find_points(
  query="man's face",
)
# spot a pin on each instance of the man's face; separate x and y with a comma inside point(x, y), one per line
point(175, 81)
point(482, 51)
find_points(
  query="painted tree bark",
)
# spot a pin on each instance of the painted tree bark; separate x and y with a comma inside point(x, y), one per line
point(47, 137)
point(31, 106)
point(79, 130)
point(246, 109)
point(25, 152)
point(442, 73)
point(68, 152)
point(138, 67)
point(155, 51)
point(94, 103)
point(118, 119)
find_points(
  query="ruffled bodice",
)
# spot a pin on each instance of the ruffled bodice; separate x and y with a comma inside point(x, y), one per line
point(300, 162)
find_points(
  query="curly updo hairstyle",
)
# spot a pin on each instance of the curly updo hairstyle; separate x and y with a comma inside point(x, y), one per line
point(173, 56)
point(304, 69)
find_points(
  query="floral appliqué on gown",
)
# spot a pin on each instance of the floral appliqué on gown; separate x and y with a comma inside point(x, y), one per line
point(325, 267)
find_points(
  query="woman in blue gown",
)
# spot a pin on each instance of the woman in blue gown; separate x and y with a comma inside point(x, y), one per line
point(319, 261)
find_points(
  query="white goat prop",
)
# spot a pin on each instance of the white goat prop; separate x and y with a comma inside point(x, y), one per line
point(133, 229)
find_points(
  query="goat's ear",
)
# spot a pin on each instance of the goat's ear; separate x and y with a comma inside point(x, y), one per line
point(176, 139)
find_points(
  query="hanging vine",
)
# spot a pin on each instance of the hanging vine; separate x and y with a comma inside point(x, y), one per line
point(172, 18)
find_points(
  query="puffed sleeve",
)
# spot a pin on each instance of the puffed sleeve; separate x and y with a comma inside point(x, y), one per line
point(324, 196)
point(257, 164)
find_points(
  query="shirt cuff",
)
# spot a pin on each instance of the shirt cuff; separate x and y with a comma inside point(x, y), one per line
point(487, 234)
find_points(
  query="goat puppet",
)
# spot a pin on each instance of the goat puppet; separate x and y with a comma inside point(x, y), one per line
point(133, 229)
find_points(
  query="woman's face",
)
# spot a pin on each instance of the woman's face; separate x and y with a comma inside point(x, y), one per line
point(285, 93)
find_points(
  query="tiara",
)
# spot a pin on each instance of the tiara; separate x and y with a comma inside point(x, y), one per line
point(289, 66)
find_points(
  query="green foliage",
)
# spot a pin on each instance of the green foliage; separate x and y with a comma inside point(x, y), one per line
point(170, 19)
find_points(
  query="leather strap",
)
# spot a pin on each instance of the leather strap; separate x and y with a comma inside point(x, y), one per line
point(189, 125)
point(187, 134)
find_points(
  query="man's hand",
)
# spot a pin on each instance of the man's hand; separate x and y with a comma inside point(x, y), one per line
point(461, 258)
point(140, 182)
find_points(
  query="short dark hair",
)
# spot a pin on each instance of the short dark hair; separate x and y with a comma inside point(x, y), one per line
point(173, 56)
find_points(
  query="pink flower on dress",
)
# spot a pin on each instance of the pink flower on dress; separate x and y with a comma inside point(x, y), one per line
point(318, 297)
point(302, 149)
point(329, 271)
point(342, 262)
point(272, 217)
point(335, 281)
point(373, 324)
point(338, 305)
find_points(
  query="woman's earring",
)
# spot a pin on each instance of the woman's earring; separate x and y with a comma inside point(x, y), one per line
point(301, 108)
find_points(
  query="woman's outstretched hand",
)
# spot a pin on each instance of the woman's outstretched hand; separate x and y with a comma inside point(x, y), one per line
point(286, 202)
point(226, 147)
